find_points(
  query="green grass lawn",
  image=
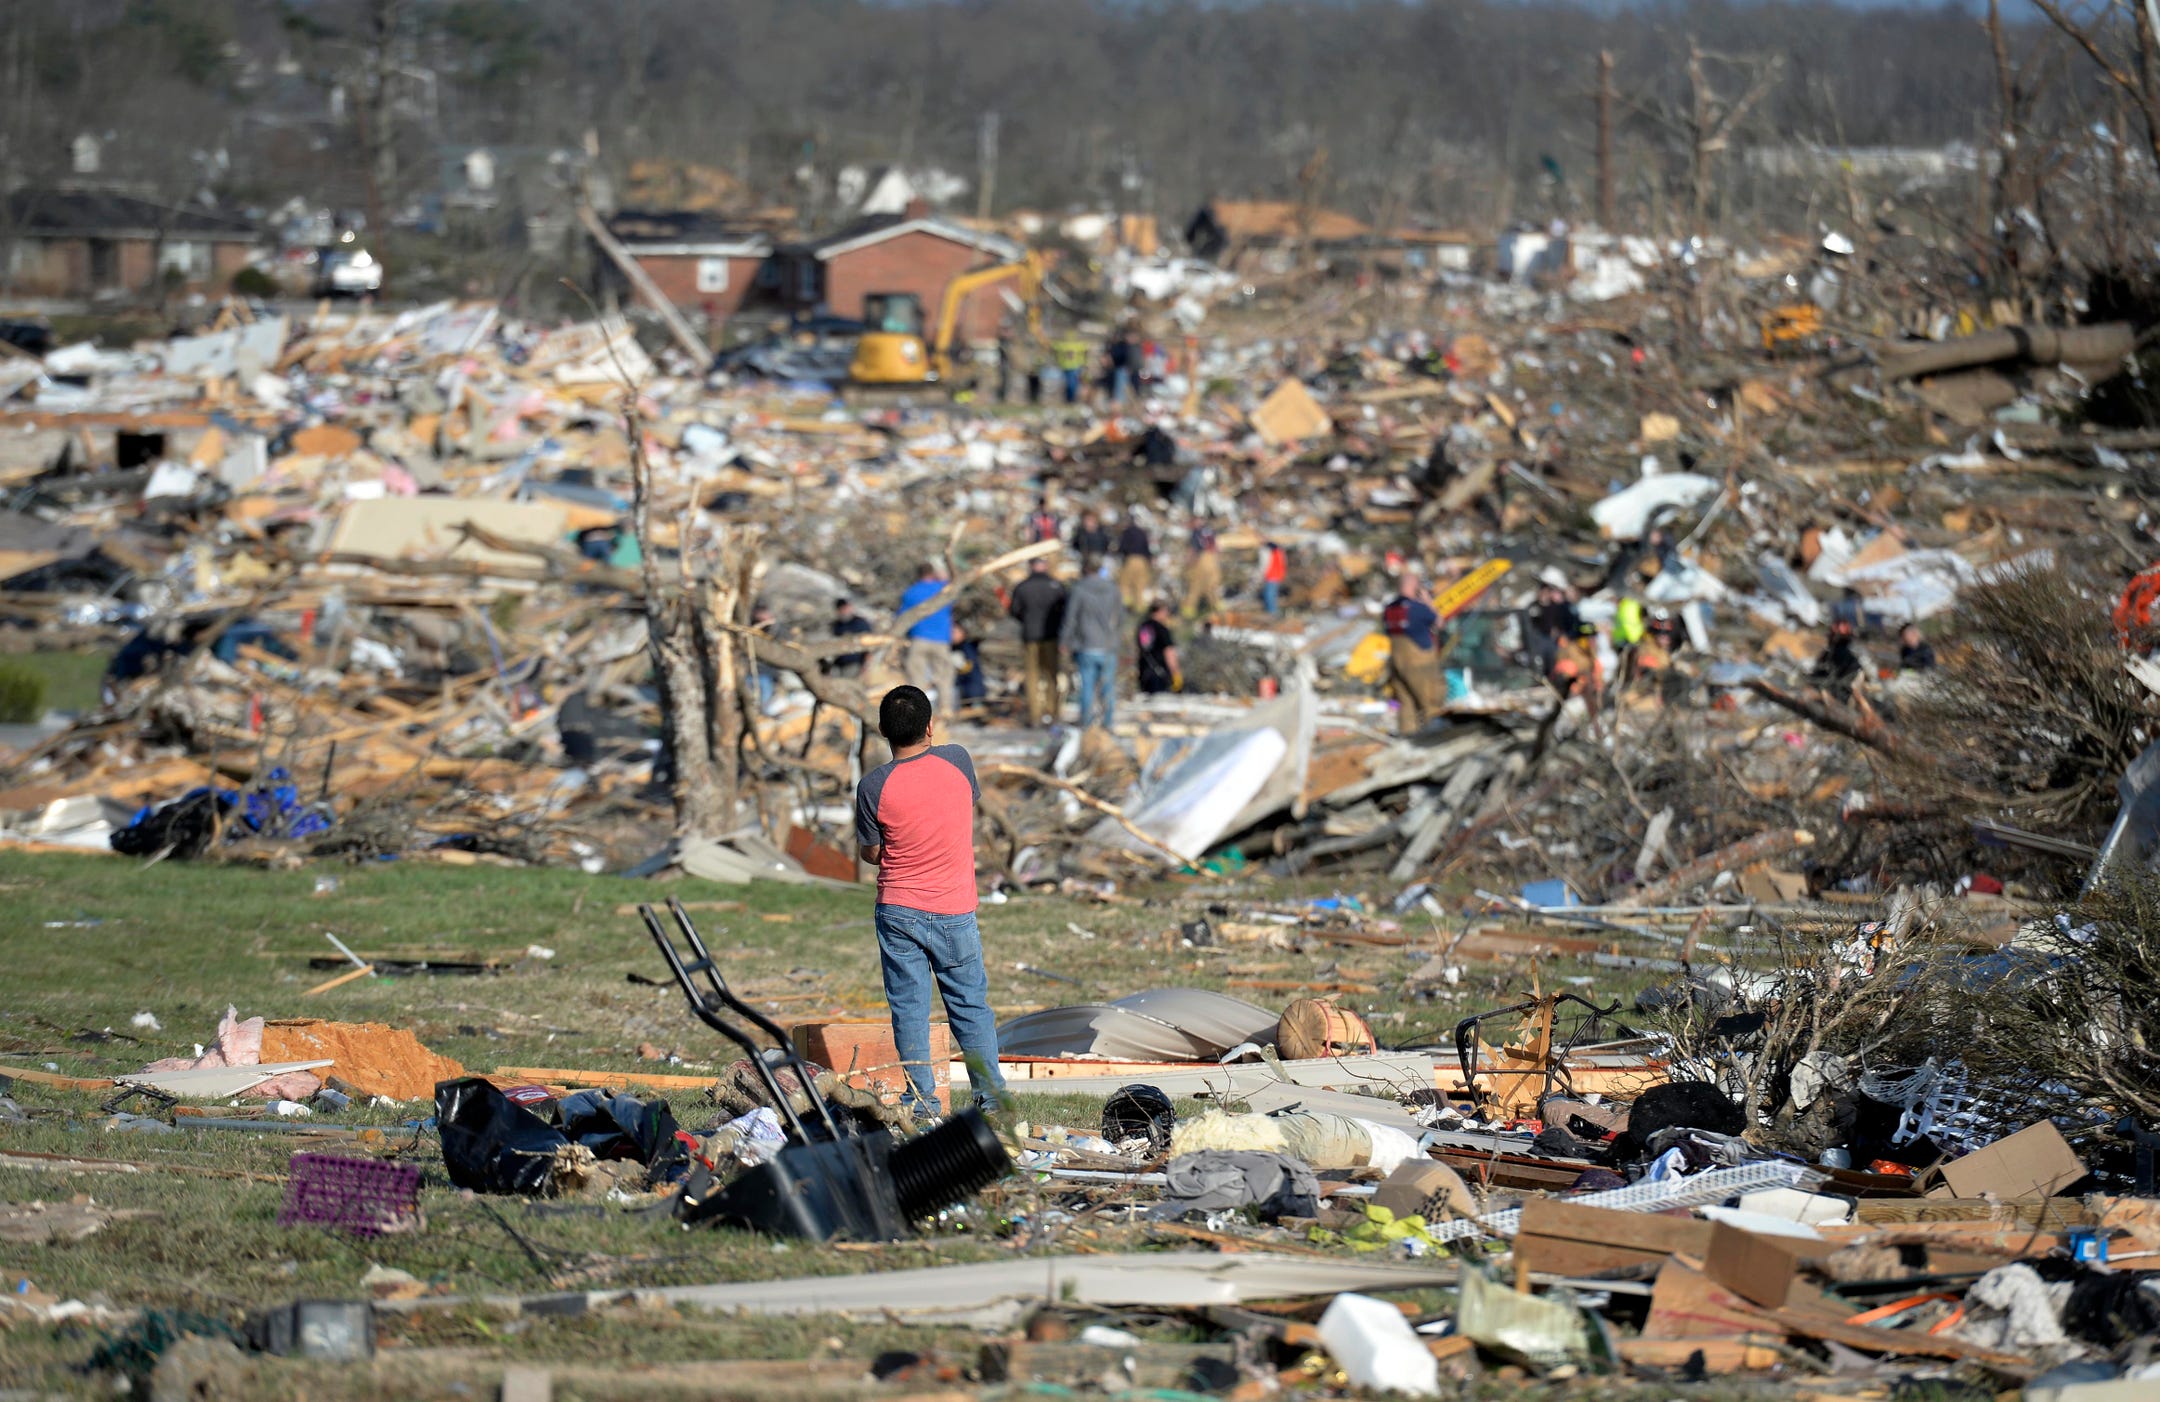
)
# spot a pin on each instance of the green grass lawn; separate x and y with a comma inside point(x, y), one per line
point(92, 941)
point(71, 678)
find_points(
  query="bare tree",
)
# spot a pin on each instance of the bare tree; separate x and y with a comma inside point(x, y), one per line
point(2122, 38)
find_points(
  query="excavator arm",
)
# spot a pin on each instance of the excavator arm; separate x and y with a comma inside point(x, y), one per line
point(1028, 272)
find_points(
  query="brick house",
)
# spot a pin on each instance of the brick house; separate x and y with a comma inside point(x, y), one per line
point(703, 262)
point(89, 243)
point(911, 252)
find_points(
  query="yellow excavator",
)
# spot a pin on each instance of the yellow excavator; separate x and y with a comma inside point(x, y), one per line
point(894, 352)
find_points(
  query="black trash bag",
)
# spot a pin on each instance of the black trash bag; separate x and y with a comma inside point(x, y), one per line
point(492, 1145)
point(621, 1126)
point(2109, 1308)
point(1675, 1105)
point(186, 825)
point(1138, 1111)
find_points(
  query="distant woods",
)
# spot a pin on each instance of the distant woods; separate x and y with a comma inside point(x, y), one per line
point(1468, 111)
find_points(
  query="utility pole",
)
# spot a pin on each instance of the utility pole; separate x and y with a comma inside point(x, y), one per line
point(986, 155)
point(1605, 210)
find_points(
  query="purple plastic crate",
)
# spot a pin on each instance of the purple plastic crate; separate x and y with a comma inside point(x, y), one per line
point(363, 1196)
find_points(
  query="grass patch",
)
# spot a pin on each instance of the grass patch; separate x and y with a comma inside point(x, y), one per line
point(98, 940)
point(70, 679)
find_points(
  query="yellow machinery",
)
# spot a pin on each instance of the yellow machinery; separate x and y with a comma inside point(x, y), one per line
point(1791, 325)
point(894, 351)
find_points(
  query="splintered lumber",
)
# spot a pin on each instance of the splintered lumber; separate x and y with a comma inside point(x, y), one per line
point(1745, 852)
point(600, 1080)
point(53, 1081)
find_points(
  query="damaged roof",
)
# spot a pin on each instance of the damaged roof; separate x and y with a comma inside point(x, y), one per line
point(877, 228)
point(49, 213)
point(1281, 219)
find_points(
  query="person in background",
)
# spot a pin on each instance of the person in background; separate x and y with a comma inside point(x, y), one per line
point(1553, 622)
point(1203, 571)
point(1848, 609)
point(1038, 605)
point(1914, 653)
point(768, 676)
point(1630, 625)
point(929, 638)
point(1118, 367)
point(1413, 676)
point(1136, 563)
point(1274, 569)
point(968, 683)
point(915, 822)
point(1042, 523)
point(846, 623)
point(1577, 671)
point(1071, 354)
point(1157, 654)
point(1004, 362)
point(1090, 537)
point(1840, 664)
point(1094, 624)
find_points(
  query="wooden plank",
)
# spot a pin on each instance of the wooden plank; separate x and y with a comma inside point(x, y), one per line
point(603, 1080)
point(57, 1082)
point(1569, 1239)
point(2024, 1212)
point(1747, 1353)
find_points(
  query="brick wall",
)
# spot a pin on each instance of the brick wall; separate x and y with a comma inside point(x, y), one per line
point(678, 278)
point(921, 263)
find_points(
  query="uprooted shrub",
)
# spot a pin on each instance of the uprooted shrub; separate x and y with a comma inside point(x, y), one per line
point(2064, 1021)
point(2073, 1010)
point(2031, 716)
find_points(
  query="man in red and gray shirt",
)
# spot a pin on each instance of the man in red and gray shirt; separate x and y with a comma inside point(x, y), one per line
point(915, 822)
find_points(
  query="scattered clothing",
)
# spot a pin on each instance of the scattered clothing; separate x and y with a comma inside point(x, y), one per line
point(1218, 1180)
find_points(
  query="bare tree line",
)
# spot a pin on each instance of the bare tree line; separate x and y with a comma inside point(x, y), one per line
point(1470, 112)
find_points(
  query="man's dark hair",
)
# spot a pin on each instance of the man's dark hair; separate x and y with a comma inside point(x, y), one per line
point(926, 571)
point(903, 717)
point(839, 603)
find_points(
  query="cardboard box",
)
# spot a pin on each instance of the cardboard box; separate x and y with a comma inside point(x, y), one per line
point(1413, 1188)
point(1757, 1267)
point(2036, 1162)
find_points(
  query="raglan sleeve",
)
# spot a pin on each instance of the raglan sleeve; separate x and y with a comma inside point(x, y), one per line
point(868, 831)
point(965, 763)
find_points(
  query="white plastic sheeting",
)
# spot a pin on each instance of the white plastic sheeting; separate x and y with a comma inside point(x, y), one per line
point(1626, 514)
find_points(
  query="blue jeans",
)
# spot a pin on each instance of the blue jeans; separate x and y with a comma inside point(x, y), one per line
point(916, 948)
point(1120, 385)
point(1271, 597)
point(1072, 386)
point(1098, 682)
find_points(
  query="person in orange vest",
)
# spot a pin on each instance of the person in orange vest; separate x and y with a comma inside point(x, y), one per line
point(1274, 570)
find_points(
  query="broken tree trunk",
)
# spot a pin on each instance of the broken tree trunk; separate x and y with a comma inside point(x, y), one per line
point(692, 669)
point(1853, 725)
point(2031, 345)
